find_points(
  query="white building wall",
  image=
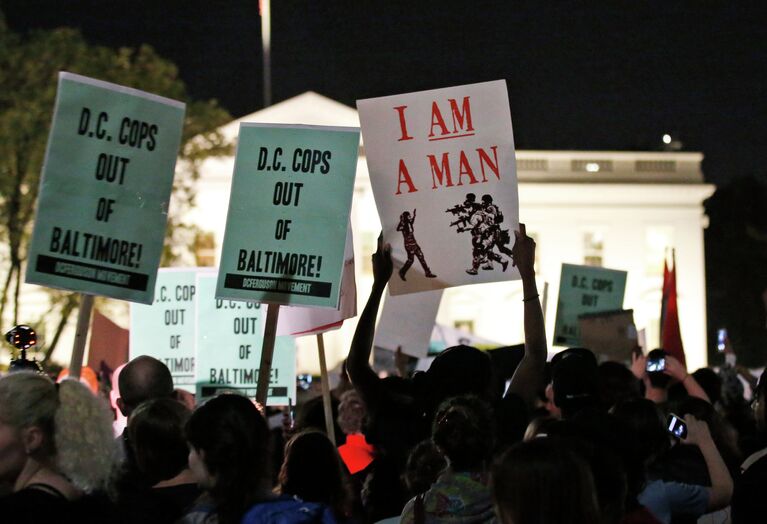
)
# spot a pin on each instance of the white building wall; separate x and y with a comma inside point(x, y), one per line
point(560, 213)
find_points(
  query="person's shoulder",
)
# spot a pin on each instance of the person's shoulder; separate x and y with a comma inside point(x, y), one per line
point(202, 511)
point(681, 487)
point(748, 502)
point(407, 512)
point(34, 505)
point(672, 491)
point(288, 510)
point(95, 508)
point(687, 498)
point(757, 460)
point(188, 492)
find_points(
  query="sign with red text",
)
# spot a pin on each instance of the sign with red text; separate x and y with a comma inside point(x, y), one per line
point(444, 178)
point(288, 214)
point(105, 188)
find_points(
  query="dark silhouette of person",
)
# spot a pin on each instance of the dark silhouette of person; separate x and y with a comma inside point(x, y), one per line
point(406, 225)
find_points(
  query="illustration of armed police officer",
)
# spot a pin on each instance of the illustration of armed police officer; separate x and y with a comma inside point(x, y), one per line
point(483, 221)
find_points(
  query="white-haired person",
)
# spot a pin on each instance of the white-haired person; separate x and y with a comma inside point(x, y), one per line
point(56, 450)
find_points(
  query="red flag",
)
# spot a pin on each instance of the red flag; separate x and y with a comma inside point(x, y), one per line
point(670, 335)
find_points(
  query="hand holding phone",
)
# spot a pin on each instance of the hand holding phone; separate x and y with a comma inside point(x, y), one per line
point(698, 432)
point(639, 364)
point(676, 426)
point(288, 420)
point(304, 382)
point(721, 340)
point(656, 364)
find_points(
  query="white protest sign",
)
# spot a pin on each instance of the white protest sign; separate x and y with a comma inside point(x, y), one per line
point(408, 321)
point(300, 321)
point(105, 188)
point(444, 178)
point(165, 329)
point(229, 337)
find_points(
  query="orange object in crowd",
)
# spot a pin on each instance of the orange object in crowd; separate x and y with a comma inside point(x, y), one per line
point(357, 454)
point(87, 377)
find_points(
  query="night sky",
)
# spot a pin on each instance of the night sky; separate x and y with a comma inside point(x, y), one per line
point(581, 75)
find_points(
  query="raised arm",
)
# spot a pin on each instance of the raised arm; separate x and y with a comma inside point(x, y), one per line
point(721, 488)
point(364, 379)
point(528, 377)
point(678, 370)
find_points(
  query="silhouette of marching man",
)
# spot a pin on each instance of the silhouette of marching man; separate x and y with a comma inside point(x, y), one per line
point(411, 245)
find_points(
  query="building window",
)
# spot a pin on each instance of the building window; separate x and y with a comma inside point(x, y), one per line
point(655, 166)
point(532, 164)
point(593, 248)
point(205, 249)
point(591, 166)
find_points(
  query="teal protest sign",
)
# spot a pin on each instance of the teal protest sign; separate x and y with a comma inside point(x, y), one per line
point(106, 182)
point(229, 337)
point(288, 213)
point(165, 329)
point(585, 289)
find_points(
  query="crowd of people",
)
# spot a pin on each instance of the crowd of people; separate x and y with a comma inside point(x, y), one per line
point(574, 440)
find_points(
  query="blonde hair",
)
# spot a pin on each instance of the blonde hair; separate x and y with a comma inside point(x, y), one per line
point(77, 425)
point(351, 412)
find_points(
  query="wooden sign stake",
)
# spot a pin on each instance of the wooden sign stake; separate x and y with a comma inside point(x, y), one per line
point(83, 325)
point(267, 351)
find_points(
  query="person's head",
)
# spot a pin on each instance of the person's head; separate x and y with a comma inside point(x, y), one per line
point(156, 432)
point(62, 427)
point(464, 431)
point(487, 200)
point(471, 198)
point(313, 472)
point(424, 464)
point(229, 453)
point(405, 216)
point(733, 390)
point(647, 427)
point(458, 370)
point(616, 384)
point(658, 379)
point(574, 381)
point(143, 378)
point(544, 482)
point(351, 412)
point(723, 433)
point(710, 382)
point(603, 442)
